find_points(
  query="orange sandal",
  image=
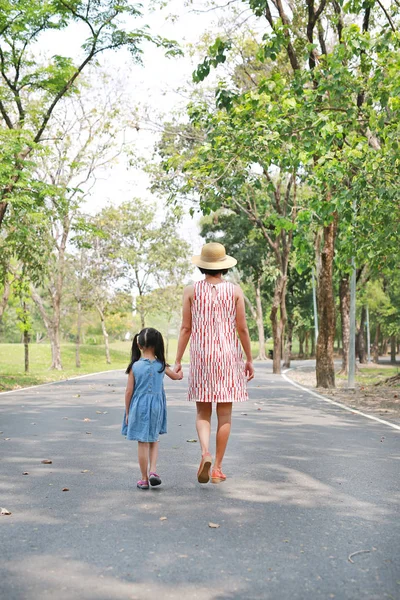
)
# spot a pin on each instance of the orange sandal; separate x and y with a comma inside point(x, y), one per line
point(217, 476)
point(203, 474)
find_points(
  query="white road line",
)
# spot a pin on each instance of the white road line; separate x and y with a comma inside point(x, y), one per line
point(34, 387)
point(352, 410)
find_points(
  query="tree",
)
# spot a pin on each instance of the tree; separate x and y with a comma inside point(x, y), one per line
point(32, 88)
point(84, 141)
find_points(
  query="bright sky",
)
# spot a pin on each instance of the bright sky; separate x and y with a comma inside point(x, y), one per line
point(157, 84)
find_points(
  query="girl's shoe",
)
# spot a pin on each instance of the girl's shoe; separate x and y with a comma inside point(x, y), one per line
point(203, 474)
point(154, 479)
point(217, 476)
point(142, 484)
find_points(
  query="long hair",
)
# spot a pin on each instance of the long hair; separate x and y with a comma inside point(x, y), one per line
point(148, 338)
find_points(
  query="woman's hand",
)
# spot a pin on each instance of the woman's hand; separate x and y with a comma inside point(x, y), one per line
point(178, 368)
point(249, 369)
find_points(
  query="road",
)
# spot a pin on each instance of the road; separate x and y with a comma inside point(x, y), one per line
point(309, 485)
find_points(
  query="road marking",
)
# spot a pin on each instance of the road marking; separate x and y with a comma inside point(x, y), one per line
point(352, 410)
point(33, 387)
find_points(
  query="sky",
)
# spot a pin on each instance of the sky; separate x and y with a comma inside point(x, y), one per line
point(157, 85)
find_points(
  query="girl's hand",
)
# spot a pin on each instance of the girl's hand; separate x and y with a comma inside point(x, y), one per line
point(126, 419)
point(249, 370)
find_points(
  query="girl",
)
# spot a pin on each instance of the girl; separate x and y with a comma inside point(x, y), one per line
point(145, 415)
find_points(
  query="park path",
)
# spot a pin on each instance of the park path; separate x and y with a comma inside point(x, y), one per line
point(309, 485)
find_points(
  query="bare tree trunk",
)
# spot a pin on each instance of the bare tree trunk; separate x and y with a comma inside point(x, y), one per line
point(344, 296)
point(302, 337)
point(288, 345)
point(78, 334)
point(375, 347)
point(5, 296)
point(260, 323)
point(360, 339)
point(312, 345)
point(105, 334)
point(26, 350)
point(393, 349)
point(384, 348)
point(325, 367)
point(278, 322)
point(307, 344)
point(52, 328)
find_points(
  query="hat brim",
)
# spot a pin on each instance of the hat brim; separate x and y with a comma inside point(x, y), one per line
point(217, 265)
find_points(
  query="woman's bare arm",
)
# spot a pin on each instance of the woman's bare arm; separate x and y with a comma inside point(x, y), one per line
point(186, 327)
point(243, 332)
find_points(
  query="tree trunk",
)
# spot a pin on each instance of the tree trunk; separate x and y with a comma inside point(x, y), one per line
point(260, 323)
point(55, 348)
point(325, 367)
point(375, 347)
point(384, 349)
point(105, 334)
point(312, 345)
point(278, 322)
point(288, 345)
point(302, 337)
point(360, 339)
point(5, 296)
point(344, 296)
point(26, 350)
point(393, 349)
point(307, 344)
point(78, 335)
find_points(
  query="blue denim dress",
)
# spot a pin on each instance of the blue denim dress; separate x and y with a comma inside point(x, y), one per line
point(148, 409)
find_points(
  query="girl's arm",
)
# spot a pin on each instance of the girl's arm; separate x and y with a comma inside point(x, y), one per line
point(172, 374)
point(243, 332)
point(186, 327)
point(130, 386)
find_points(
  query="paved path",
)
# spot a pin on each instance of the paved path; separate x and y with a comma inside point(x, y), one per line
point(309, 484)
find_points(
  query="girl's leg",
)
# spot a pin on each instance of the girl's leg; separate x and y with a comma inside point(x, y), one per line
point(203, 425)
point(153, 456)
point(143, 456)
point(224, 414)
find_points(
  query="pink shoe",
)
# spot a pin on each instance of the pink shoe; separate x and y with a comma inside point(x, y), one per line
point(217, 476)
point(142, 484)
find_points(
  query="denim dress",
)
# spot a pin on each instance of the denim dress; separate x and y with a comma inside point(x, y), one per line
point(148, 409)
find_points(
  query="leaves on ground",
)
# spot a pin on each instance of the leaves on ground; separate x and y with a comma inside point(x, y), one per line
point(244, 414)
point(25, 473)
point(163, 518)
point(214, 525)
point(85, 471)
point(86, 420)
point(47, 461)
point(192, 441)
point(4, 511)
point(77, 396)
point(65, 490)
point(89, 433)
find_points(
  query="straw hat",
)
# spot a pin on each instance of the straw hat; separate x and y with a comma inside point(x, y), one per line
point(214, 257)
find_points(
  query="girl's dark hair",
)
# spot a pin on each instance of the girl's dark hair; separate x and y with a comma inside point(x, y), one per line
point(148, 338)
point(215, 272)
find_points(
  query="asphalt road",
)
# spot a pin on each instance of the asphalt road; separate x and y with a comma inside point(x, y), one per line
point(309, 485)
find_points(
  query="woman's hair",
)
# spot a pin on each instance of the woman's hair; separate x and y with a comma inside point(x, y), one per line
point(213, 272)
point(148, 338)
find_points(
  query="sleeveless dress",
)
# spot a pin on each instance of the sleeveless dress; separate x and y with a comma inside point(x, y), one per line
point(216, 363)
point(148, 408)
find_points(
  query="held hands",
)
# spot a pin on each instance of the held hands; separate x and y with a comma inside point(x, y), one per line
point(249, 370)
point(178, 369)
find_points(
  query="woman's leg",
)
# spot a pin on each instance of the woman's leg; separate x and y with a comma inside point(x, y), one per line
point(224, 414)
point(153, 456)
point(143, 456)
point(203, 425)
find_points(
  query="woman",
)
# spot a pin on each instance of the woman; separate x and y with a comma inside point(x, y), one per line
point(213, 311)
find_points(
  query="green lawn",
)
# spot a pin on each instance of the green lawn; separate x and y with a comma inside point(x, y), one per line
point(369, 375)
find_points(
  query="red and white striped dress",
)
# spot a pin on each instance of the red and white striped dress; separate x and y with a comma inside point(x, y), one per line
point(216, 363)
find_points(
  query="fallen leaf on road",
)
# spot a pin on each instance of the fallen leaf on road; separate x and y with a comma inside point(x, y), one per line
point(7, 439)
point(85, 471)
point(86, 420)
point(259, 409)
point(77, 396)
point(214, 525)
point(89, 433)
point(4, 511)
point(25, 473)
point(46, 461)
point(358, 552)
point(65, 418)
point(65, 490)
point(99, 412)
point(192, 441)
point(244, 414)
point(163, 518)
